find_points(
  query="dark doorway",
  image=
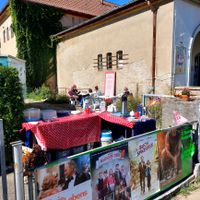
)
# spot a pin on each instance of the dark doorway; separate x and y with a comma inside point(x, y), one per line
point(196, 70)
point(195, 62)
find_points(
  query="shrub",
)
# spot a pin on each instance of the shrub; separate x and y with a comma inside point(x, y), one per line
point(58, 98)
point(40, 93)
point(133, 102)
point(11, 106)
point(186, 91)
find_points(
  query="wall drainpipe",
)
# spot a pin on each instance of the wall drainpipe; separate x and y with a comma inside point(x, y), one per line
point(154, 9)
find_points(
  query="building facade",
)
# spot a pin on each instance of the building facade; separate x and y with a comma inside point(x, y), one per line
point(151, 45)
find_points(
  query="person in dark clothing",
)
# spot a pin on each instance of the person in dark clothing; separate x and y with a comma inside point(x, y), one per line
point(148, 174)
point(100, 186)
point(72, 177)
point(75, 94)
point(142, 170)
point(118, 175)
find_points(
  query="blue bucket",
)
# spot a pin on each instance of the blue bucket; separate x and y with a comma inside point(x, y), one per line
point(106, 137)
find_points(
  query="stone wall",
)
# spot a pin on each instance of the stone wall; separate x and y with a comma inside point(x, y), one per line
point(188, 109)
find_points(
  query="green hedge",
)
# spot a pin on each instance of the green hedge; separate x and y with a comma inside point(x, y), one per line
point(11, 106)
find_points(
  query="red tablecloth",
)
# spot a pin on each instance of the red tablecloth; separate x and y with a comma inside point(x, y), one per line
point(67, 132)
point(116, 120)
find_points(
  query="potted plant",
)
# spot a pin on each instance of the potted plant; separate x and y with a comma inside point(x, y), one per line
point(185, 94)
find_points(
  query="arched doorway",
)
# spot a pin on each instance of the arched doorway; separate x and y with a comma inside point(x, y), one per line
point(195, 62)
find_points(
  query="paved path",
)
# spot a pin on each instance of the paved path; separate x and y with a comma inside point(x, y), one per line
point(11, 188)
point(195, 195)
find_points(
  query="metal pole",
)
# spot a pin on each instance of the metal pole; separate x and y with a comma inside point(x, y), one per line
point(18, 170)
point(30, 187)
point(3, 162)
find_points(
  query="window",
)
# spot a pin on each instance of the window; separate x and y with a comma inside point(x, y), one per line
point(119, 60)
point(11, 31)
point(7, 33)
point(4, 36)
point(100, 61)
point(109, 60)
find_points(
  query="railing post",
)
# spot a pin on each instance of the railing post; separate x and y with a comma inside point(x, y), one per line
point(3, 162)
point(18, 170)
point(30, 187)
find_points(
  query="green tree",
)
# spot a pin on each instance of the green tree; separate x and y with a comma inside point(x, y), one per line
point(11, 105)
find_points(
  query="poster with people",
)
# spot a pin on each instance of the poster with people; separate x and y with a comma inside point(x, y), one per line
point(144, 166)
point(169, 151)
point(180, 59)
point(67, 180)
point(111, 174)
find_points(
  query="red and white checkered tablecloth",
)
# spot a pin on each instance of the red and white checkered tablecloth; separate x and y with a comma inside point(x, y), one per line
point(67, 132)
point(115, 119)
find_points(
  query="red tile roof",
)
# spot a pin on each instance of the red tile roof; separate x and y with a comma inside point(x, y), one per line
point(89, 7)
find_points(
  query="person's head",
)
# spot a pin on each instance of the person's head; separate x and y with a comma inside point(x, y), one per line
point(105, 173)
point(125, 89)
point(117, 166)
point(142, 158)
point(49, 182)
point(74, 87)
point(96, 88)
point(148, 162)
point(70, 168)
point(110, 172)
point(90, 90)
point(100, 175)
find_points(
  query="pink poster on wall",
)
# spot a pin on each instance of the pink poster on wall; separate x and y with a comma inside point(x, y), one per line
point(109, 84)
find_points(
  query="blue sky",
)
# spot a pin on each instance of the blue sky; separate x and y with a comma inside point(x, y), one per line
point(119, 2)
point(2, 3)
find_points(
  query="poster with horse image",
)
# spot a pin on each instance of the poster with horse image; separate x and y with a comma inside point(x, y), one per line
point(65, 180)
point(144, 166)
point(169, 151)
point(110, 171)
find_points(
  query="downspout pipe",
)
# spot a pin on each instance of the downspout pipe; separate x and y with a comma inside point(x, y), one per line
point(154, 9)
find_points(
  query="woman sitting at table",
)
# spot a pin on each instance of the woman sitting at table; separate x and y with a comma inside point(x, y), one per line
point(74, 94)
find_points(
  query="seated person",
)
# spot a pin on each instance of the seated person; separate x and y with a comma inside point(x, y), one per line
point(87, 98)
point(97, 92)
point(74, 94)
point(96, 95)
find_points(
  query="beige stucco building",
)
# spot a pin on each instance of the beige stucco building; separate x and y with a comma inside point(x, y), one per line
point(147, 33)
point(7, 37)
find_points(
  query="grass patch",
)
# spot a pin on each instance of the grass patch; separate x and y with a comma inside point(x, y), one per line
point(185, 191)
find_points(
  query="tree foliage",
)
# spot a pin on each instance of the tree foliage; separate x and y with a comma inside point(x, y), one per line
point(33, 24)
point(11, 105)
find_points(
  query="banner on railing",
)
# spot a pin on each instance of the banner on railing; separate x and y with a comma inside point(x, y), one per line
point(111, 173)
point(136, 168)
point(144, 166)
point(67, 180)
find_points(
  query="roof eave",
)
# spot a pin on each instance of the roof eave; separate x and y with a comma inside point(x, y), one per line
point(4, 14)
point(136, 4)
